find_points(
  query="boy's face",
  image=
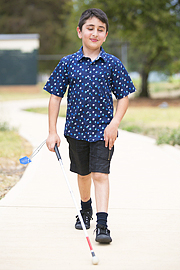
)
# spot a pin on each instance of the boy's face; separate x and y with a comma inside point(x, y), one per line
point(93, 34)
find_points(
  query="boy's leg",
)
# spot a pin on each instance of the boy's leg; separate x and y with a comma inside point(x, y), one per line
point(79, 157)
point(101, 184)
point(84, 184)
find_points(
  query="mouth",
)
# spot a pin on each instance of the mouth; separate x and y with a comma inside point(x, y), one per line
point(94, 40)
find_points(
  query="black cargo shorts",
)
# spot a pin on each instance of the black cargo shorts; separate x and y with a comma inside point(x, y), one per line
point(87, 157)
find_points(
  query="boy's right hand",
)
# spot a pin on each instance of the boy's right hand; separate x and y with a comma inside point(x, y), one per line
point(52, 140)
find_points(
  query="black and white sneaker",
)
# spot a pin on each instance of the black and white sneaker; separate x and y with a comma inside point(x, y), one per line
point(87, 216)
point(102, 234)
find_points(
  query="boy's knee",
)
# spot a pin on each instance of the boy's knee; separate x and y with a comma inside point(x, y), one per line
point(99, 176)
point(84, 177)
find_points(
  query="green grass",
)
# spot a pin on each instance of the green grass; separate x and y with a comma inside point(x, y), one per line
point(4, 126)
point(152, 117)
point(44, 110)
point(161, 124)
point(12, 146)
point(22, 96)
point(169, 136)
point(6, 95)
point(157, 87)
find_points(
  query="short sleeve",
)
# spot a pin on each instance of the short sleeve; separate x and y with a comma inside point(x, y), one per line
point(121, 82)
point(58, 81)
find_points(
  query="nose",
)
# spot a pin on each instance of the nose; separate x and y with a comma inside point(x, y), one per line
point(95, 32)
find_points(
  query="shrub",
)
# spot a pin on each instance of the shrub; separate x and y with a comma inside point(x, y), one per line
point(4, 126)
point(169, 136)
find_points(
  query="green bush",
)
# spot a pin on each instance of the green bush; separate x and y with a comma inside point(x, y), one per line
point(4, 127)
point(169, 136)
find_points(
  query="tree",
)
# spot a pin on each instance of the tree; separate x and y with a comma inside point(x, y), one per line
point(152, 28)
point(49, 18)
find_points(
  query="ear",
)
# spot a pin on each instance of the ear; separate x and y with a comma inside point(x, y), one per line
point(79, 32)
point(105, 36)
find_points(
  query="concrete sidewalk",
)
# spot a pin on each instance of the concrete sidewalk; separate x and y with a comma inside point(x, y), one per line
point(37, 216)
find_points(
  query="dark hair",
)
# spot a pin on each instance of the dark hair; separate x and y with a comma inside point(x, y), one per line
point(93, 12)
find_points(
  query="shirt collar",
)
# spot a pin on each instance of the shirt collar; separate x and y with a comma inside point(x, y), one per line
point(102, 54)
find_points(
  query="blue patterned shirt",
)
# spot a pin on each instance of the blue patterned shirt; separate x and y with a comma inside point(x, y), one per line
point(89, 99)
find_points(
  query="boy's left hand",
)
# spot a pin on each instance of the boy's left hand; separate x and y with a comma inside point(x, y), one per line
point(111, 131)
point(110, 134)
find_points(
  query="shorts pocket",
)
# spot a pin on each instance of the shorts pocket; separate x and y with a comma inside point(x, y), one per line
point(110, 153)
point(101, 152)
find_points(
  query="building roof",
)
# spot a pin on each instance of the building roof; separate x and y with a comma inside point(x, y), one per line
point(19, 36)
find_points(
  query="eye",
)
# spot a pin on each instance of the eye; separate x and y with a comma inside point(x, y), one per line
point(90, 29)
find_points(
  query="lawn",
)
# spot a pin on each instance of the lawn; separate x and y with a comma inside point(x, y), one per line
point(152, 117)
point(12, 147)
point(24, 92)
point(163, 124)
point(160, 87)
point(44, 110)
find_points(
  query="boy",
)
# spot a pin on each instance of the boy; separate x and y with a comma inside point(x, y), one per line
point(90, 129)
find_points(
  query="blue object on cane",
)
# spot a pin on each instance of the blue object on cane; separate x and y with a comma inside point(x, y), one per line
point(25, 160)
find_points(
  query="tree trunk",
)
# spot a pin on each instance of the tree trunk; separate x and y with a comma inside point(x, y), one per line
point(144, 84)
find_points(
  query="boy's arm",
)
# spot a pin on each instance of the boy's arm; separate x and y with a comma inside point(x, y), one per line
point(110, 132)
point(53, 111)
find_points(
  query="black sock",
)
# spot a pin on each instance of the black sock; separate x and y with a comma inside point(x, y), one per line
point(86, 205)
point(102, 218)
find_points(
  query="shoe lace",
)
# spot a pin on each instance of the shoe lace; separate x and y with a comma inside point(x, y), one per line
point(84, 215)
point(102, 228)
